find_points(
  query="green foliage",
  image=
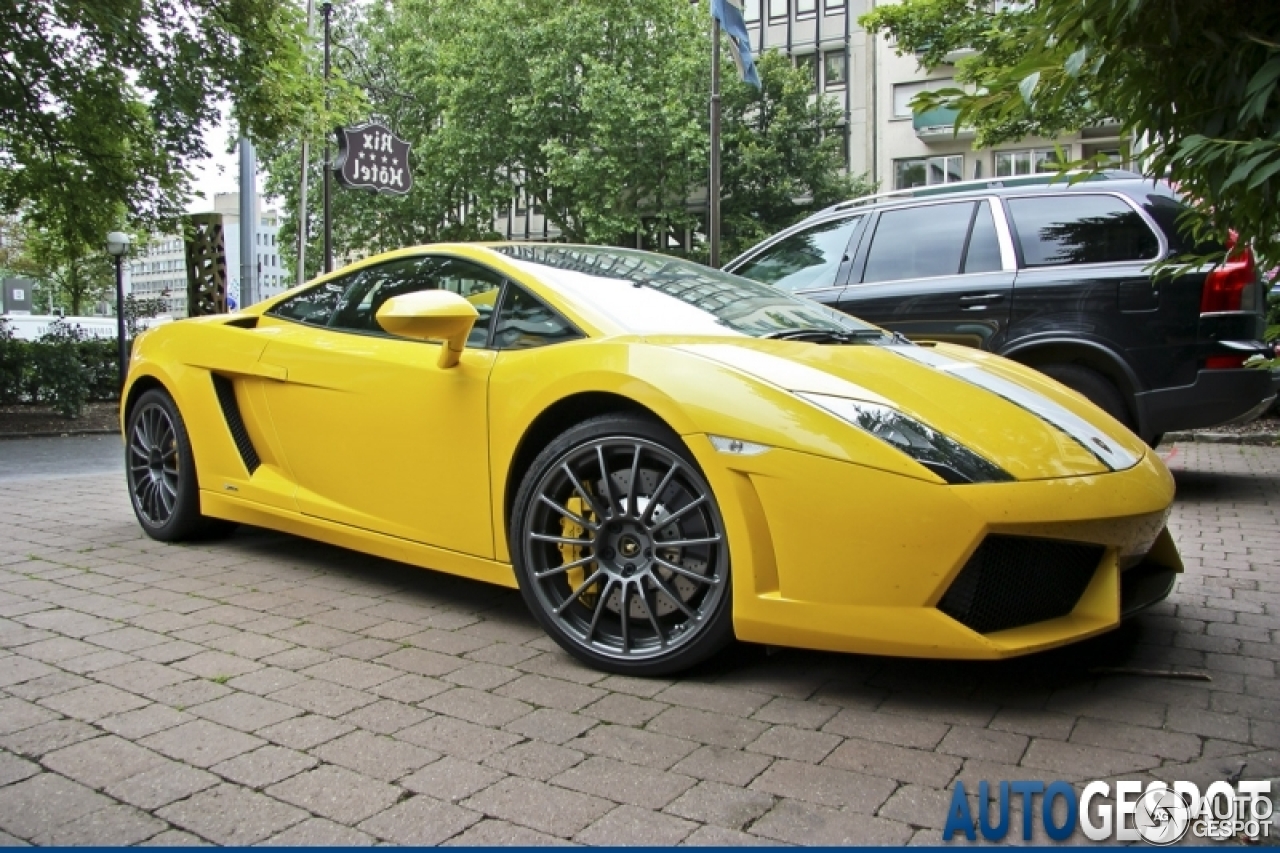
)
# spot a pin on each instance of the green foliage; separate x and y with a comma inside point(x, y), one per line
point(103, 103)
point(12, 361)
point(1196, 82)
point(71, 274)
point(782, 154)
point(56, 369)
point(598, 109)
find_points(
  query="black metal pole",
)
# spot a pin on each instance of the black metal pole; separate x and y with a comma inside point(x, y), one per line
point(120, 342)
point(713, 184)
point(327, 9)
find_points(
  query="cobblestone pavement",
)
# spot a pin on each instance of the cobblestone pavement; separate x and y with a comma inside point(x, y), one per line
point(267, 689)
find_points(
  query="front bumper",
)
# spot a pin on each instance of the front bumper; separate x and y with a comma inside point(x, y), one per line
point(1217, 397)
point(835, 556)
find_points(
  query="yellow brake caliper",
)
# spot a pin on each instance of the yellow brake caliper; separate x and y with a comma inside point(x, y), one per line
point(570, 529)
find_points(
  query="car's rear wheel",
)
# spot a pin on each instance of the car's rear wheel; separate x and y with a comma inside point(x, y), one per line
point(161, 472)
point(1095, 387)
point(620, 549)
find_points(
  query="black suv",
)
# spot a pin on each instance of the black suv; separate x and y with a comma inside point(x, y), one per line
point(1054, 275)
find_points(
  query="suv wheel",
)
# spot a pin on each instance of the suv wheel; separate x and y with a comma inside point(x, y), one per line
point(1095, 387)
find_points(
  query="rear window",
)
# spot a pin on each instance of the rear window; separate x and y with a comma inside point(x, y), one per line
point(1080, 229)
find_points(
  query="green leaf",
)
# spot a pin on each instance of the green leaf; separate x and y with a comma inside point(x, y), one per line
point(1028, 86)
point(1076, 61)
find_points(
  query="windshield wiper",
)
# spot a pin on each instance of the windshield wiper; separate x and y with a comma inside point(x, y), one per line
point(823, 335)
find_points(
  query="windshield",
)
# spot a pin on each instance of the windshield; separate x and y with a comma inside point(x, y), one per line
point(647, 293)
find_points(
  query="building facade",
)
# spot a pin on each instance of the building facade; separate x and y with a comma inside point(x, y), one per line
point(161, 265)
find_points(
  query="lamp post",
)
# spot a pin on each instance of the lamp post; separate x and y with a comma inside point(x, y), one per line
point(117, 247)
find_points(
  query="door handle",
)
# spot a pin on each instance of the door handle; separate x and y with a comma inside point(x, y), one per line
point(982, 297)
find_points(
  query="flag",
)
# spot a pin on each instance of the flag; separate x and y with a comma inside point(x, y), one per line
point(729, 14)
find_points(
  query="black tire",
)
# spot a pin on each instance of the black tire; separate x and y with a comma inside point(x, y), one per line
point(1095, 387)
point(618, 593)
point(161, 473)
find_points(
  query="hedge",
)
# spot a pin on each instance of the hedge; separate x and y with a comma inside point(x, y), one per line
point(64, 368)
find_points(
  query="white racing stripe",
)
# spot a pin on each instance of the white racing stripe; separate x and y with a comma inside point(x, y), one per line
point(1086, 434)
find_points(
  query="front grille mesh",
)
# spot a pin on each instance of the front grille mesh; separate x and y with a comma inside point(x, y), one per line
point(1012, 581)
point(235, 422)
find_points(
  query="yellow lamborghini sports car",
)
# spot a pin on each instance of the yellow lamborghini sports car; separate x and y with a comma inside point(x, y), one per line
point(660, 456)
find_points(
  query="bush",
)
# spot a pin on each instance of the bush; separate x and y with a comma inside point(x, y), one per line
point(13, 362)
point(57, 374)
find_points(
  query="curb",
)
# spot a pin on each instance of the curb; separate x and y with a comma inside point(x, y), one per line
point(4, 436)
point(1264, 439)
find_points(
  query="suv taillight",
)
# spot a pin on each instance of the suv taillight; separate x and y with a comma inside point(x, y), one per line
point(1230, 286)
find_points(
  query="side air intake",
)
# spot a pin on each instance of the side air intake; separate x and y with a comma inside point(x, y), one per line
point(235, 422)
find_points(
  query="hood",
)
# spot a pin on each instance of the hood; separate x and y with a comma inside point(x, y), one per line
point(1017, 418)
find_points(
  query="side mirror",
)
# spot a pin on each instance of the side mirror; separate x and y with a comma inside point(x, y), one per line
point(431, 315)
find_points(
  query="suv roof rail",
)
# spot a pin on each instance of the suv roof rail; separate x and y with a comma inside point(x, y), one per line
point(981, 184)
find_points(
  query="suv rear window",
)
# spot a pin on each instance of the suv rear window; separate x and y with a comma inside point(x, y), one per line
point(1080, 229)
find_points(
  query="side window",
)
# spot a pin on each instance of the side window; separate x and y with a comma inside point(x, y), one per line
point(374, 286)
point(983, 254)
point(1080, 229)
point(919, 242)
point(804, 261)
point(314, 307)
point(524, 322)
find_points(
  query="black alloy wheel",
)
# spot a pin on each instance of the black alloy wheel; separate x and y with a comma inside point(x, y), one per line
point(161, 472)
point(620, 548)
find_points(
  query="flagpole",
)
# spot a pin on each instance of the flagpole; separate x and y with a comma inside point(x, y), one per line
point(713, 184)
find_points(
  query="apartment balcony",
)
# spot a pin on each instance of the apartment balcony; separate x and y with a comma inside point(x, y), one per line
point(938, 126)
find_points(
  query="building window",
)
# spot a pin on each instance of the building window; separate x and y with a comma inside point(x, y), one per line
point(805, 8)
point(751, 11)
point(834, 69)
point(777, 9)
point(808, 63)
point(834, 6)
point(904, 92)
point(1031, 161)
point(927, 171)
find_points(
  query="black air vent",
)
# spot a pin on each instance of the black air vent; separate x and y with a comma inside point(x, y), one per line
point(1011, 581)
point(231, 411)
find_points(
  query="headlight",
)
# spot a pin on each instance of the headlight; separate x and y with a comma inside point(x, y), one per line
point(944, 456)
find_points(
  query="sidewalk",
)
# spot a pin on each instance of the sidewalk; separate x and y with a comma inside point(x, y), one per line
point(265, 688)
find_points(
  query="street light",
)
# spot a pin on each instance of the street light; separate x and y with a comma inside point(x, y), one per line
point(117, 247)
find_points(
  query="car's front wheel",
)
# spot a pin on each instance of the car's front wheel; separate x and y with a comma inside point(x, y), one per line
point(161, 472)
point(620, 549)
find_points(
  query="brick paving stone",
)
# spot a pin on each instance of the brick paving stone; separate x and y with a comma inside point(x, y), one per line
point(451, 779)
point(410, 688)
point(174, 838)
point(323, 697)
point(477, 706)
point(918, 805)
point(18, 714)
point(723, 805)
point(888, 728)
point(244, 711)
point(375, 755)
point(706, 727)
point(805, 823)
point(114, 826)
point(824, 785)
point(482, 676)
point(624, 709)
point(187, 693)
point(97, 661)
point(305, 732)
point(795, 712)
point(635, 746)
point(632, 826)
point(161, 785)
point(35, 741)
point(318, 832)
point(16, 669)
point(1078, 762)
point(985, 744)
point(42, 802)
point(1110, 735)
point(539, 806)
point(201, 743)
point(502, 654)
point(458, 738)
point(350, 672)
point(800, 744)
point(141, 676)
point(230, 815)
point(336, 793)
point(1034, 723)
point(217, 665)
point(266, 680)
point(499, 833)
point(895, 762)
point(534, 759)
point(264, 766)
point(420, 821)
point(624, 783)
point(550, 725)
point(101, 761)
point(386, 717)
point(551, 692)
point(15, 769)
point(47, 685)
point(712, 697)
point(717, 764)
point(421, 662)
point(718, 836)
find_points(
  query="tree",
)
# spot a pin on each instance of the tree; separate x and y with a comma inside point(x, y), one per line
point(1195, 82)
point(71, 276)
point(103, 102)
point(781, 155)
